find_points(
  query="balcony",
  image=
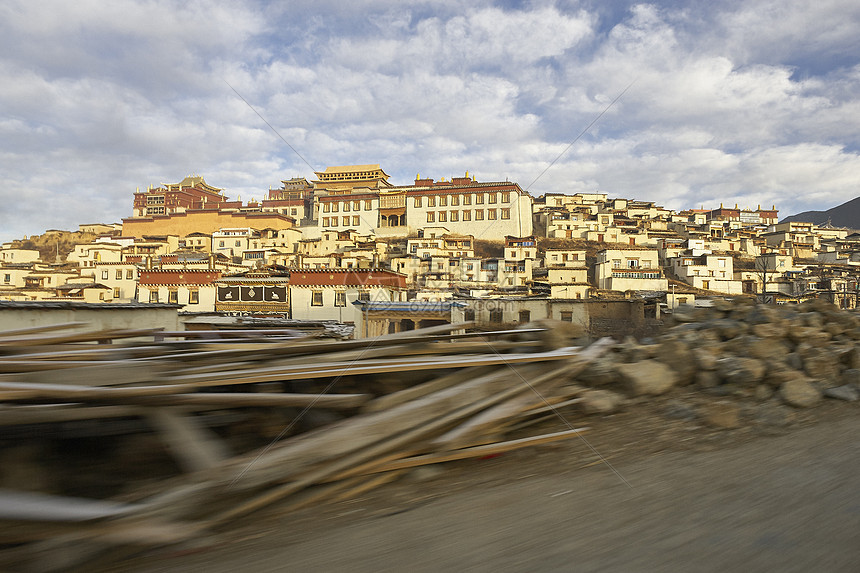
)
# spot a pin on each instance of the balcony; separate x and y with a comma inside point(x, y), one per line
point(392, 201)
point(637, 273)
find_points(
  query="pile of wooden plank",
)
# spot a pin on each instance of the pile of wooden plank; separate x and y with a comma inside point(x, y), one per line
point(233, 408)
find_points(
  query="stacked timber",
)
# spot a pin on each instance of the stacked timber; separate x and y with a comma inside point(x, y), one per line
point(136, 438)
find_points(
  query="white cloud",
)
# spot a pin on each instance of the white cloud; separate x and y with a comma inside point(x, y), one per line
point(733, 102)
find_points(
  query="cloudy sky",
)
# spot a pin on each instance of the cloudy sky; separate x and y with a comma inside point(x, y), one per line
point(750, 102)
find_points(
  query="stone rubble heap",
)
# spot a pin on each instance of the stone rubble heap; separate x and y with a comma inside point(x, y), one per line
point(795, 355)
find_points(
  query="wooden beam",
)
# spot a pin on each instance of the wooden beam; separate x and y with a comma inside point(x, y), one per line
point(39, 329)
point(396, 398)
point(357, 457)
point(313, 457)
point(106, 373)
point(329, 370)
point(193, 446)
point(298, 453)
point(534, 389)
point(476, 451)
point(95, 336)
point(54, 413)
point(18, 505)
point(170, 395)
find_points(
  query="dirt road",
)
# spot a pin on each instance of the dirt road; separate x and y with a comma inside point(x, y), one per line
point(784, 503)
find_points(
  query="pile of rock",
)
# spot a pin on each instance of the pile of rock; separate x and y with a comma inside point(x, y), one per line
point(794, 354)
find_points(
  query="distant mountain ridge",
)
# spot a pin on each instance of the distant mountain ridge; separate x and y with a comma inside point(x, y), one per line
point(844, 215)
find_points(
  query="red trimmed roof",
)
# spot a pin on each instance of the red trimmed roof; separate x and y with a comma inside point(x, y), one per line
point(179, 276)
point(347, 277)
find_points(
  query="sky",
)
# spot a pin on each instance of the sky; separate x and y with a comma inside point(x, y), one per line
point(685, 103)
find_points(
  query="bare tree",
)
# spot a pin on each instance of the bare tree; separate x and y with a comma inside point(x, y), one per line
point(765, 267)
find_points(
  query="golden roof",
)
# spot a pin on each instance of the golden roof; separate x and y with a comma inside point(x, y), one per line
point(349, 168)
point(195, 181)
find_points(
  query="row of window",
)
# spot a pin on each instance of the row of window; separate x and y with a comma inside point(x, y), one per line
point(432, 200)
point(720, 263)
point(698, 273)
point(129, 274)
point(626, 275)
point(492, 198)
point(333, 221)
point(339, 297)
point(346, 205)
point(438, 245)
point(172, 296)
point(350, 176)
point(631, 263)
point(466, 215)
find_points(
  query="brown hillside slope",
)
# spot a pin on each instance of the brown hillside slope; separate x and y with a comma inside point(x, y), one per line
point(54, 245)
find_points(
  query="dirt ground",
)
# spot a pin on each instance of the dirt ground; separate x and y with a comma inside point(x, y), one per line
point(778, 493)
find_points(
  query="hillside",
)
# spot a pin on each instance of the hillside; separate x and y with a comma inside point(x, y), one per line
point(55, 246)
point(844, 215)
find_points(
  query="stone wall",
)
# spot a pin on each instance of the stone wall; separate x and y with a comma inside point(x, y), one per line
point(96, 316)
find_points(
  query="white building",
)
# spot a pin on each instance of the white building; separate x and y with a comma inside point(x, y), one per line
point(89, 254)
point(446, 245)
point(629, 269)
point(707, 271)
point(15, 256)
point(564, 258)
point(194, 289)
point(328, 294)
point(232, 242)
point(119, 277)
point(360, 198)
